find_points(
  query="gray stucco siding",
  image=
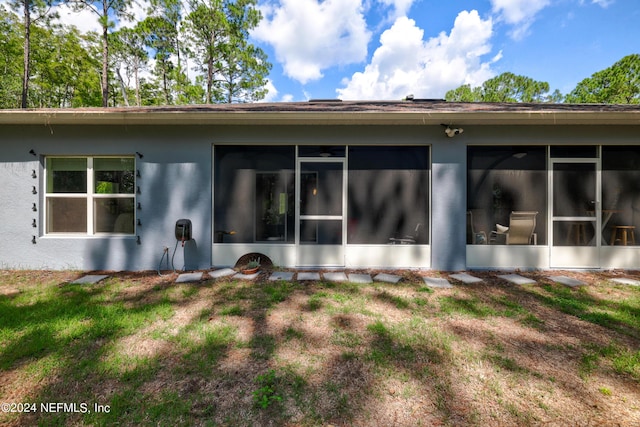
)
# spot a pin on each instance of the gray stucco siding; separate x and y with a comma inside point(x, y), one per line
point(174, 182)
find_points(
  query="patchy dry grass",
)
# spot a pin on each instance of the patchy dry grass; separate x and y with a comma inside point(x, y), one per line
point(262, 353)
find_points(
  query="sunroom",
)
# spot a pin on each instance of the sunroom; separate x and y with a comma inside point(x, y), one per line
point(322, 206)
point(553, 206)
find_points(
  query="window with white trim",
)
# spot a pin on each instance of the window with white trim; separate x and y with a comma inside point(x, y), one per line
point(90, 195)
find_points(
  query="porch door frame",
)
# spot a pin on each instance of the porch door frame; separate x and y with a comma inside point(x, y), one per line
point(320, 255)
point(576, 256)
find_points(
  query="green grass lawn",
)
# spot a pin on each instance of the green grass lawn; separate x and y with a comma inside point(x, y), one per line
point(138, 349)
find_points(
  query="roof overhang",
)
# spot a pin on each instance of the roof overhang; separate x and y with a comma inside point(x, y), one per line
point(335, 113)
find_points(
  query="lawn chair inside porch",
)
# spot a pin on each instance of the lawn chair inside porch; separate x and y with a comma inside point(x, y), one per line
point(521, 230)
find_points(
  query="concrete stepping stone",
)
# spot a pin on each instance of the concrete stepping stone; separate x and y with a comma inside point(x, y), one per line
point(567, 281)
point(387, 278)
point(360, 278)
point(466, 278)
point(241, 276)
point(308, 276)
point(516, 279)
point(90, 279)
point(337, 276)
point(224, 272)
point(625, 281)
point(436, 282)
point(189, 277)
point(281, 275)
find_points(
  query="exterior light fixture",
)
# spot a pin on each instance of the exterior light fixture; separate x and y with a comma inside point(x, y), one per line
point(451, 131)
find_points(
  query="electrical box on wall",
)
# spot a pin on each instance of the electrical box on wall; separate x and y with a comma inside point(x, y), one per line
point(183, 230)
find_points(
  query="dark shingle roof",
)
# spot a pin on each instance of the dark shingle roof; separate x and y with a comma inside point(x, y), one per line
point(417, 112)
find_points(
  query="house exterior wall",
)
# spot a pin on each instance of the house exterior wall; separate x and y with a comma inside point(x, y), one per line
point(448, 207)
point(176, 182)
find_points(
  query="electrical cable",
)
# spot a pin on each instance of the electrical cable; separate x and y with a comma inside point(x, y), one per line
point(175, 249)
point(165, 251)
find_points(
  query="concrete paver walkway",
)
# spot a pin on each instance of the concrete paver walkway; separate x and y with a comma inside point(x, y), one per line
point(308, 276)
point(625, 281)
point(365, 278)
point(189, 277)
point(567, 281)
point(241, 276)
point(516, 279)
point(466, 278)
point(281, 275)
point(335, 276)
point(387, 278)
point(224, 272)
point(90, 279)
point(360, 278)
point(437, 282)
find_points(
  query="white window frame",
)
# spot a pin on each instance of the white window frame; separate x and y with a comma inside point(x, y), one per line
point(90, 197)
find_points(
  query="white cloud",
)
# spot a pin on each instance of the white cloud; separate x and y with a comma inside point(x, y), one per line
point(139, 11)
point(405, 64)
point(603, 3)
point(518, 13)
point(272, 92)
point(85, 20)
point(310, 36)
point(401, 7)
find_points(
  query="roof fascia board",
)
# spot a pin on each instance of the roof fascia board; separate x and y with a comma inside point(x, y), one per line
point(416, 118)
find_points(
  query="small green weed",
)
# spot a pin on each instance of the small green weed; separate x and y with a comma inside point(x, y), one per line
point(532, 321)
point(234, 310)
point(346, 339)
point(266, 393)
point(506, 363)
point(399, 302)
point(272, 294)
point(622, 316)
point(624, 361)
point(588, 363)
point(263, 346)
point(190, 291)
point(468, 306)
point(512, 308)
point(291, 333)
point(341, 298)
point(627, 362)
point(420, 302)
point(605, 391)
point(314, 303)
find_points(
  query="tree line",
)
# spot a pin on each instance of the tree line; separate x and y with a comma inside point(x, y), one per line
point(617, 84)
point(197, 54)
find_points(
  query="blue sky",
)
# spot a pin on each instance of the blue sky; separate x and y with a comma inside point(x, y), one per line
point(386, 49)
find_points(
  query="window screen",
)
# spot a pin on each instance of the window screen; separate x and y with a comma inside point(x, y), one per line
point(388, 195)
point(501, 180)
point(254, 194)
point(621, 194)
